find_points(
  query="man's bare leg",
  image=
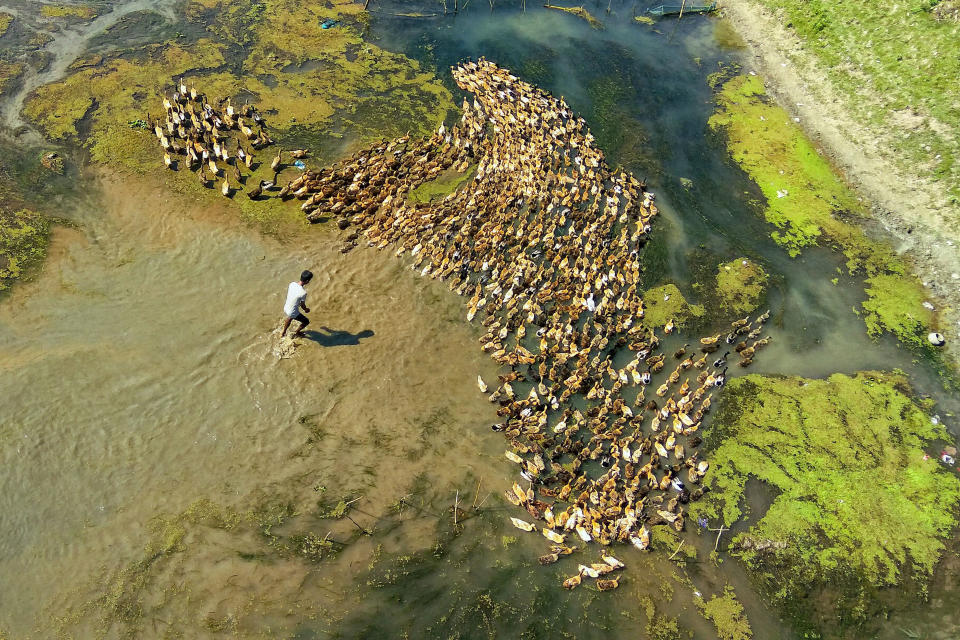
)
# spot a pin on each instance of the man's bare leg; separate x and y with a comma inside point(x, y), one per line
point(299, 332)
point(286, 325)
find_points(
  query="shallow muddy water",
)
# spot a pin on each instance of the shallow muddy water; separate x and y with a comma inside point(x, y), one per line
point(139, 376)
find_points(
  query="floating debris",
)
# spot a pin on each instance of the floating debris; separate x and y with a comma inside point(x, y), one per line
point(580, 12)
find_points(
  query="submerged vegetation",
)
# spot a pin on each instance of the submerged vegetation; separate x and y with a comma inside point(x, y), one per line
point(726, 613)
point(618, 130)
point(858, 505)
point(808, 204)
point(740, 286)
point(23, 241)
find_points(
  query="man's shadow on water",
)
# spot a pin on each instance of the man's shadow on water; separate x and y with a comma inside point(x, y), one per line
point(335, 338)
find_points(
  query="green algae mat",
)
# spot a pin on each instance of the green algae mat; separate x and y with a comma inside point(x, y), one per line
point(665, 303)
point(807, 204)
point(23, 241)
point(327, 89)
point(858, 504)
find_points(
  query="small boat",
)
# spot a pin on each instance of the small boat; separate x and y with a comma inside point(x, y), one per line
point(673, 9)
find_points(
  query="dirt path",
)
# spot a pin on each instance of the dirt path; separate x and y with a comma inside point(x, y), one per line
point(911, 209)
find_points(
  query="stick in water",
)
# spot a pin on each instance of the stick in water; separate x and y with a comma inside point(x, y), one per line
point(719, 532)
point(677, 551)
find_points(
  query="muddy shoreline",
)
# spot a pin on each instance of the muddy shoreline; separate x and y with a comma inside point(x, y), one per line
point(907, 207)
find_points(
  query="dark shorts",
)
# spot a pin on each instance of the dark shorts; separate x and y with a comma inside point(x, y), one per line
point(299, 317)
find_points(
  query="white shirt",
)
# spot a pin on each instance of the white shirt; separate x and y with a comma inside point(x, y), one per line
point(295, 295)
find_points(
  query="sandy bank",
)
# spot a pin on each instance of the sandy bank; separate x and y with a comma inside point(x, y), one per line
point(913, 210)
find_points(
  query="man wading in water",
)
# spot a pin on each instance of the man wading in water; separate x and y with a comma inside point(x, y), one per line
point(296, 298)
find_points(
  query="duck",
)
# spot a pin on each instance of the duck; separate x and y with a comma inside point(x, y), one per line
point(256, 192)
point(276, 161)
point(572, 582)
point(225, 188)
point(720, 378)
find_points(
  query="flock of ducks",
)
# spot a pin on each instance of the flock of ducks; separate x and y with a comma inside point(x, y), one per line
point(204, 133)
point(545, 242)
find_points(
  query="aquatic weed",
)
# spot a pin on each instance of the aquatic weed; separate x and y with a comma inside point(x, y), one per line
point(808, 204)
point(23, 240)
point(667, 302)
point(727, 615)
point(859, 505)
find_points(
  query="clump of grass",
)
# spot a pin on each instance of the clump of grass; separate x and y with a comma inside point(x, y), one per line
point(740, 285)
point(443, 185)
point(23, 243)
point(6, 19)
point(9, 73)
point(894, 305)
point(726, 613)
point(313, 547)
point(83, 12)
point(666, 302)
